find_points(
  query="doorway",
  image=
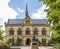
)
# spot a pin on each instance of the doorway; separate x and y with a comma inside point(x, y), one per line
point(28, 41)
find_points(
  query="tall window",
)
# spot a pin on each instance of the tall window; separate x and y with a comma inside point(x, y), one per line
point(19, 31)
point(43, 41)
point(43, 31)
point(11, 31)
point(9, 41)
point(13, 41)
point(27, 31)
point(19, 41)
point(35, 31)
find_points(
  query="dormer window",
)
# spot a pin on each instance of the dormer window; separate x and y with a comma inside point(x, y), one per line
point(27, 21)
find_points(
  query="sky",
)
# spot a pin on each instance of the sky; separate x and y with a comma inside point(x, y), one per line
point(15, 9)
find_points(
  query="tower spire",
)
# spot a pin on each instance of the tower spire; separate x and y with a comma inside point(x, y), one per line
point(27, 15)
point(26, 10)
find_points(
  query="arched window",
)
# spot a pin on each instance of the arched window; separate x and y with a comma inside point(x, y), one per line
point(11, 31)
point(43, 31)
point(27, 31)
point(35, 31)
point(19, 31)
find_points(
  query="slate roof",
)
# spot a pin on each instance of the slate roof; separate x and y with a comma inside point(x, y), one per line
point(19, 21)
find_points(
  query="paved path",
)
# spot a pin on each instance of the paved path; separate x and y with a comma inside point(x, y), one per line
point(28, 47)
point(46, 47)
point(41, 47)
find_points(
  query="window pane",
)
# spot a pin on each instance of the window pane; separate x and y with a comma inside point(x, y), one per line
point(35, 31)
point(19, 32)
point(43, 31)
point(11, 32)
point(27, 31)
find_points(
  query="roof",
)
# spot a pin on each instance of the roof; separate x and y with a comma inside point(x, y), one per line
point(20, 21)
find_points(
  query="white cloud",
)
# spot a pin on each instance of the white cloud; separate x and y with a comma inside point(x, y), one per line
point(20, 10)
point(6, 12)
point(40, 14)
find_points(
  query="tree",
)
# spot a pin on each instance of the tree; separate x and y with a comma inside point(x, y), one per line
point(53, 17)
point(1, 32)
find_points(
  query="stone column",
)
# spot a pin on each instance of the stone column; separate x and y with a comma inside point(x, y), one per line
point(23, 41)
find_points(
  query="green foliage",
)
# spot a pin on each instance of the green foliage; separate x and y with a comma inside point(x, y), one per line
point(57, 46)
point(53, 17)
point(1, 32)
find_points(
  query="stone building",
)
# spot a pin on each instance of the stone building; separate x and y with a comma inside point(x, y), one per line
point(20, 31)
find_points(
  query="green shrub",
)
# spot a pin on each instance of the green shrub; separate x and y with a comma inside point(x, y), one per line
point(57, 46)
point(4, 46)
